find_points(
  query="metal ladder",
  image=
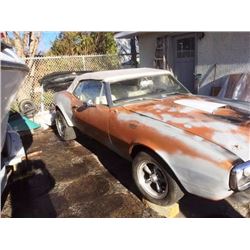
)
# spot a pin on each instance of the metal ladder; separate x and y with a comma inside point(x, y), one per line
point(160, 50)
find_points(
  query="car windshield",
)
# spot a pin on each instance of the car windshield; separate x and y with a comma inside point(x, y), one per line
point(144, 88)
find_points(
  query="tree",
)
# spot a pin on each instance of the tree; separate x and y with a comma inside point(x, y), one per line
point(83, 43)
point(26, 43)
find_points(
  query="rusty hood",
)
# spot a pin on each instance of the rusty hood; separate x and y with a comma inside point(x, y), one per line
point(222, 123)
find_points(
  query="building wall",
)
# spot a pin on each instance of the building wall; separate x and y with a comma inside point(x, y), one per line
point(147, 45)
point(220, 54)
point(217, 54)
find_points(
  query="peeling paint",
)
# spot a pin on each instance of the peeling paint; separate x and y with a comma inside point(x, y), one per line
point(218, 129)
point(200, 139)
point(200, 104)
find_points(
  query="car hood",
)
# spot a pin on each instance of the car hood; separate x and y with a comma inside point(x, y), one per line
point(224, 123)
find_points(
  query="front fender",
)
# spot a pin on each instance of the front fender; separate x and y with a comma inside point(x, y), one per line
point(205, 174)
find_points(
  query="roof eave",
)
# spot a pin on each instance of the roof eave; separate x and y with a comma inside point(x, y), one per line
point(130, 34)
point(126, 34)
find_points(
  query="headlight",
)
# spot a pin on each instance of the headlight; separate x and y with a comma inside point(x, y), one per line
point(246, 172)
point(240, 177)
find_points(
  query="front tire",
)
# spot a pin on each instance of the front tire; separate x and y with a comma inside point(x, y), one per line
point(154, 180)
point(65, 132)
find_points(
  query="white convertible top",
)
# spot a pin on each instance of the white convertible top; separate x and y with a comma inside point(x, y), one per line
point(117, 75)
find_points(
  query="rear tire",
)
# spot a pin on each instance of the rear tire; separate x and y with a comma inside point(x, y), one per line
point(65, 132)
point(154, 180)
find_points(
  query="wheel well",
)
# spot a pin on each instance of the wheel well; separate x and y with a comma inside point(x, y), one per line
point(65, 118)
point(141, 148)
point(58, 109)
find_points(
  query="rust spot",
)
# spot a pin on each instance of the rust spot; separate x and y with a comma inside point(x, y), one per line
point(170, 144)
point(132, 125)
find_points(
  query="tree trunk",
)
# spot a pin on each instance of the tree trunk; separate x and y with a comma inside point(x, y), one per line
point(18, 43)
point(26, 43)
point(6, 38)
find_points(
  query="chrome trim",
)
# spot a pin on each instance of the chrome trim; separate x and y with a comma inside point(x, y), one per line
point(234, 177)
point(241, 166)
point(244, 187)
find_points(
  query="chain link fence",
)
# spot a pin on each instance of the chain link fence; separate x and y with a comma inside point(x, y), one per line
point(32, 90)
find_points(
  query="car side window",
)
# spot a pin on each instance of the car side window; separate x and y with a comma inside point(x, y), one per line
point(91, 90)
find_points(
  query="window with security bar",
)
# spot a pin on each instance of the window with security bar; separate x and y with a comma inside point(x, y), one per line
point(185, 47)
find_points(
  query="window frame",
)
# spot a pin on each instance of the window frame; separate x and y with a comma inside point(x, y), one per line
point(181, 52)
point(103, 85)
point(112, 104)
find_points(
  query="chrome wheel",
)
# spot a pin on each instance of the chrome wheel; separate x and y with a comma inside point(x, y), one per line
point(152, 179)
point(60, 125)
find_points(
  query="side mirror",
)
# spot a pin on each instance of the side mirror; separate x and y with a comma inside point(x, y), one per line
point(90, 103)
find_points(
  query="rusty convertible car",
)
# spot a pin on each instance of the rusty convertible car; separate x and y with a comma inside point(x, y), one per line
point(178, 142)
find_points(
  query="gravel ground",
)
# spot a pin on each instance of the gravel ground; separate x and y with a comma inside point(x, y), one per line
point(85, 179)
point(67, 180)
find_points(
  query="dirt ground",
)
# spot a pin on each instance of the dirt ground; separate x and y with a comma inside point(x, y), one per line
point(85, 179)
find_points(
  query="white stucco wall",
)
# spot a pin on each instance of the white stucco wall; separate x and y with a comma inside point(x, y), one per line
point(147, 45)
point(230, 51)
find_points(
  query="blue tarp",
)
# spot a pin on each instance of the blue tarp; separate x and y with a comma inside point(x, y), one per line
point(21, 123)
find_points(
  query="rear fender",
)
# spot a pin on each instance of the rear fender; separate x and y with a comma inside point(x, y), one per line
point(63, 103)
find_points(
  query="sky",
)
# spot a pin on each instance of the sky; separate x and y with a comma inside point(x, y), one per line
point(46, 40)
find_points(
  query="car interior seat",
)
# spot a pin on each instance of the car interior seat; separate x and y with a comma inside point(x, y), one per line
point(103, 99)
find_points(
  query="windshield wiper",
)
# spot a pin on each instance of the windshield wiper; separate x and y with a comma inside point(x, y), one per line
point(157, 91)
point(150, 98)
point(174, 93)
point(137, 99)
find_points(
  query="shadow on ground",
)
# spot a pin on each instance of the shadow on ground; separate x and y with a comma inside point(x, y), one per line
point(29, 190)
point(195, 207)
point(190, 206)
point(116, 165)
point(86, 179)
point(29, 185)
point(67, 180)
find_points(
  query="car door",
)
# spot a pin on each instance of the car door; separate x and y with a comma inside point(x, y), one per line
point(90, 109)
point(122, 132)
